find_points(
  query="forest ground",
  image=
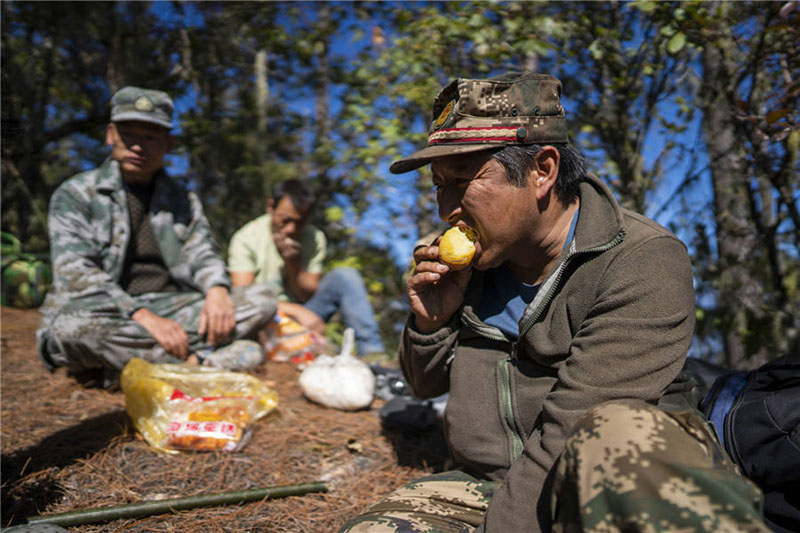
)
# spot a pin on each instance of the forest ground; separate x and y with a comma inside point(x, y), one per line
point(67, 447)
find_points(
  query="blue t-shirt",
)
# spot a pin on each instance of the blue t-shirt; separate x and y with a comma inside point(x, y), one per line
point(505, 297)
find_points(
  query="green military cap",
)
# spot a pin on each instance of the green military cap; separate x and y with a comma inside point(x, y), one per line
point(144, 105)
point(481, 114)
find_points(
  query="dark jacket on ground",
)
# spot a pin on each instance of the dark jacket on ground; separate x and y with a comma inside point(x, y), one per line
point(613, 320)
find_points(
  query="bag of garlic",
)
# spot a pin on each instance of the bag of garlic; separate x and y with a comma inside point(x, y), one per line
point(341, 382)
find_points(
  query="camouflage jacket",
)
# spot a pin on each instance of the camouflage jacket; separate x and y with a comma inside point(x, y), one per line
point(89, 229)
point(613, 320)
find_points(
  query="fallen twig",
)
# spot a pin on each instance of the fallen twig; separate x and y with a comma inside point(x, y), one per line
point(133, 510)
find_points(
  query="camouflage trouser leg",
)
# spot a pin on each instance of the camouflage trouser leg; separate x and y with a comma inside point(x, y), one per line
point(449, 502)
point(629, 466)
point(92, 333)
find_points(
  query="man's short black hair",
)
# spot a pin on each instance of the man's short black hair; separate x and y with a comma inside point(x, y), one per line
point(298, 191)
point(518, 160)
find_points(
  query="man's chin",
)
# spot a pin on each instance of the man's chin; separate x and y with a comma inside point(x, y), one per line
point(479, 263)
point(484, 261)
point(127, 166)
point(136, 175)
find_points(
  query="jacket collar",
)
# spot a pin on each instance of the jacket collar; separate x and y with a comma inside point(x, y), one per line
point(600, 220)
point(109, 178)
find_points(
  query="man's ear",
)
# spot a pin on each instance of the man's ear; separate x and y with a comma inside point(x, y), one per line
point(111, 132)
point(545, 171)
point(270, 205)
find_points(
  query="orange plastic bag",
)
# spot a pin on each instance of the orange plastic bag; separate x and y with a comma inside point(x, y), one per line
point(288, 340)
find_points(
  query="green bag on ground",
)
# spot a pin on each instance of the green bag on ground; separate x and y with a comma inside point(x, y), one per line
point(25, 276)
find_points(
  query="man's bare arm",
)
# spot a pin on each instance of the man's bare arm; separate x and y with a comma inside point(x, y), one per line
point(241, 279)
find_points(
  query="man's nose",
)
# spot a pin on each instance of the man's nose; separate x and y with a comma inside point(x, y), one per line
point(136, 145)
point(290, 228)
point(449, 200)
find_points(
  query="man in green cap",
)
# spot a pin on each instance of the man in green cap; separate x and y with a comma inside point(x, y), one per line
point(562, 344)
point(137, 272)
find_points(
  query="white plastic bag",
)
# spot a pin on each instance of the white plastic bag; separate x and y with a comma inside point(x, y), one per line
point(342, 382)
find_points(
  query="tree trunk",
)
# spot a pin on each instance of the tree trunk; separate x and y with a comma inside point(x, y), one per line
point(321, 122)
point(262, 92)
point(740, 294)
point(262, 105)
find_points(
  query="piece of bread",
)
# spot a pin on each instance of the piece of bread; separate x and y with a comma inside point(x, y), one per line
point(210, 428)
point(457, 247)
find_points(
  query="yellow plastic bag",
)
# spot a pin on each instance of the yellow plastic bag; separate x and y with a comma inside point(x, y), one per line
point(180, 407)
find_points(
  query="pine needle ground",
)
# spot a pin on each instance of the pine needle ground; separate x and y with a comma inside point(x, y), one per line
point(68, 447)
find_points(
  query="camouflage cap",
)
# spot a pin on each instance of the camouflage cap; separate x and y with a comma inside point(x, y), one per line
point(472, 115)
point(144, 105)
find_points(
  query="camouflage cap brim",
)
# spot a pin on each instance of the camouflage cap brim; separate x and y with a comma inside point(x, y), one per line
point(424, 156)
point(134, 116)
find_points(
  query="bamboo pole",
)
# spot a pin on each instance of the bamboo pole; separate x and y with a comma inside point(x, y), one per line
point(133, 510)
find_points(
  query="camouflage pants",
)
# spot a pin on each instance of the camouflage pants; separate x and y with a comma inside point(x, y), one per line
point(628, 466)
point(92, 333)
point(449, 502)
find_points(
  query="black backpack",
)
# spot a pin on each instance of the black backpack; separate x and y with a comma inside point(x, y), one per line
point(756, 416)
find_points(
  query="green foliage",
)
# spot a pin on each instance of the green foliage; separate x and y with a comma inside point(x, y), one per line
point(334, 214)
point(676, 43)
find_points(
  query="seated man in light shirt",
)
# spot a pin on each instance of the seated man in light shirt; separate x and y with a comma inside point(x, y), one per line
point(281, 250)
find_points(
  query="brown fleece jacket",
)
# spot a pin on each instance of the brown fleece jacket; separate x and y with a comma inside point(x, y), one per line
point(613, 320)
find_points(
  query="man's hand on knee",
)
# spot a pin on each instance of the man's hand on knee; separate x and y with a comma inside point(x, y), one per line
point(217, 318)
point(168, 333)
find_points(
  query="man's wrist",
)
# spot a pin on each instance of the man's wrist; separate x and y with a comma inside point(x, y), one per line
point(218, 286)
point(423, 325)
point(291, 267)
point(142, 315)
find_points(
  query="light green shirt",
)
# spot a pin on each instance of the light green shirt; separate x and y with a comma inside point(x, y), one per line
point(252, 249)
